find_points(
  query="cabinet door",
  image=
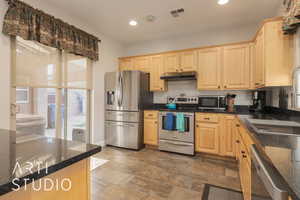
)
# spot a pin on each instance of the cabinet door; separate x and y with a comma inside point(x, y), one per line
point(209, 69)
point(150, 131)
point(245, 175)
point(126, 64)
point(142, 64)
point(236, 67)
point(259, 67)
point(207, 138)
point(171, 62)
point(156, 71)
point(278, 55)
point(228, 136)
point(188, 61)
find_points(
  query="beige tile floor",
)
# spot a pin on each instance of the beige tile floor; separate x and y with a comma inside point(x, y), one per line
point(154, 175)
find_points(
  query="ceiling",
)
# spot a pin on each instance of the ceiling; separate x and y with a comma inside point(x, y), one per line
point(111, 17)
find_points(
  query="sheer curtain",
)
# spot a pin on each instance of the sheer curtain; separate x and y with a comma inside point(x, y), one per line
point(53, 90)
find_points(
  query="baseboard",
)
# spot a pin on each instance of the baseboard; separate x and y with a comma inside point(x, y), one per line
point(100, 143)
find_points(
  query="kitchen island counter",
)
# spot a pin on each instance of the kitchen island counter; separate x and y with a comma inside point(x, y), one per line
point(24, 163)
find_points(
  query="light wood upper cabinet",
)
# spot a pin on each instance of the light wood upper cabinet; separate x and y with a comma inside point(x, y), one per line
point(236, 66)
point(185, 61)
point(151, 127)
point(156, 71)
point(209, 69)
point(259, 69)
point(274, 56)
point(228, 135)
point(142, 64)
point(188, 61)
point(126, 64)
point(171, 62)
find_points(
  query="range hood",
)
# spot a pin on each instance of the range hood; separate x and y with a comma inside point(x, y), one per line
point(179, 76)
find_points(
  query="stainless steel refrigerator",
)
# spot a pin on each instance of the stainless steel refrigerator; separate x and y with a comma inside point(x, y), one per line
point(126, 95)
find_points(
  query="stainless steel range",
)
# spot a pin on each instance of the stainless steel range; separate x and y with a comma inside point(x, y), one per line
point(170, 138)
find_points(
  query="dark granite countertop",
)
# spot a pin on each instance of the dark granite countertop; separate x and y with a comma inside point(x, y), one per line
point(281, 151)
point(239, 110)
point(44, 155)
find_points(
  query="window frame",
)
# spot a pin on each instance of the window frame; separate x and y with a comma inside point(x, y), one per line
point(61, 87)
point(27, 95)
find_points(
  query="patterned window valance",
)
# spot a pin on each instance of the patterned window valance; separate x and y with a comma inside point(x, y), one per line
point(32, 24)
point(291, 16)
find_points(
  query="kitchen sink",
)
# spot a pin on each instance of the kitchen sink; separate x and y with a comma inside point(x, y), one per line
point(275, 127)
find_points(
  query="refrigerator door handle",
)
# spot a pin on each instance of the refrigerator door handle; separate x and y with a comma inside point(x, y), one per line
point(122, 89)
point(118, 89)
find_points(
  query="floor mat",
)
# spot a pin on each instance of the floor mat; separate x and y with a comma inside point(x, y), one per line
point(212, 192)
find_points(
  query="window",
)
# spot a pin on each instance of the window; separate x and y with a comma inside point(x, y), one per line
point(52, 92)
point(22, 95)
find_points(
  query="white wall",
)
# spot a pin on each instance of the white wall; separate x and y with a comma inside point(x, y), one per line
point(212, 37)
point(4, 72)
point(110, 50)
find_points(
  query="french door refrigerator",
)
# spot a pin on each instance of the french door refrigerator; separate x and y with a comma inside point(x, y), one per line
point(127, 93)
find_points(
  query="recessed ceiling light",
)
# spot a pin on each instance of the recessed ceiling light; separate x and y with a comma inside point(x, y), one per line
point(133, 23)
point(223, 2)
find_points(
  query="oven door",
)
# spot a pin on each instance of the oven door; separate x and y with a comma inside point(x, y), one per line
point(265, 183)
point(187, 136)
point(209, 102)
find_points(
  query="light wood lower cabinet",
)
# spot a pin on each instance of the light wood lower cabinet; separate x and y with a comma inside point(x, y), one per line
point(207, 138)
point(78, 174)
point(151, 127)
point(228, 135)
point(216, 134)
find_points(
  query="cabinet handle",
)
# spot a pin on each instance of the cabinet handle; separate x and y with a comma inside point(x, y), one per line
point(219, 87)
point(243, 152)
point(155, 122)
point(207, 118)
point(150, 115)
point(197, 126)
point(225, 86)
point(256, 83)
point(237, 141)
point(237, 125)
point(244, 156)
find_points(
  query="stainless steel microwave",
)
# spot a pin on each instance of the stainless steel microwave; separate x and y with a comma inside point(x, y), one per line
point(212, 102)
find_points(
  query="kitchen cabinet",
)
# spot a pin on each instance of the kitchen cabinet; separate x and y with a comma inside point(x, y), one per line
point(209, 69)
point(171, 62)
point(188, 61)
point(126, 64)
point(142, 64)
point(265, 61)
point(259, 75)
point(274, 56)
point(228, 136)
point(207, 136)
point(151, 127)
point(156, 71)
point(185, 61)
point(236, 66)
point(243, 143)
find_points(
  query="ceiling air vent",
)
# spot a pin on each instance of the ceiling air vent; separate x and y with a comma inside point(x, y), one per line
point(176, 13)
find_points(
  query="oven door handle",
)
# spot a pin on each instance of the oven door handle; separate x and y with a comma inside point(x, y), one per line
point(176, 143)
point(275, 189)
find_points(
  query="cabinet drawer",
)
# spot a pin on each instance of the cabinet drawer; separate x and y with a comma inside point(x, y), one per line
point(210, 118)
point(151, 114)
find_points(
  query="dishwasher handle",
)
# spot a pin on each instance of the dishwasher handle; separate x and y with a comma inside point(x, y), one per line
point(264, 171)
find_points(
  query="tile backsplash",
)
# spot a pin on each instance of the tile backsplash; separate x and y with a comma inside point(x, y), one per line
point(189, 88)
